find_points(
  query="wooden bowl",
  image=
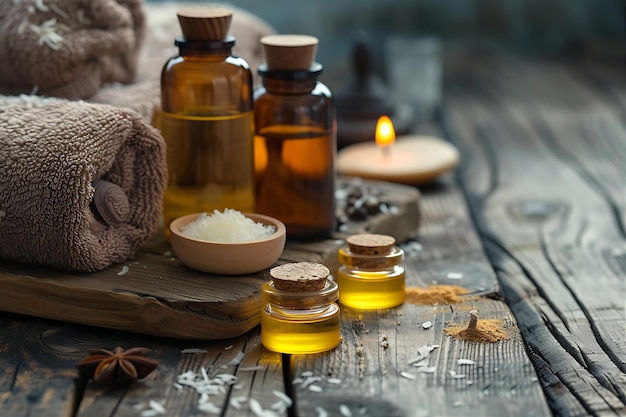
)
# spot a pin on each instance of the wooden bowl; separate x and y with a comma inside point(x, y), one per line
point(234, 258)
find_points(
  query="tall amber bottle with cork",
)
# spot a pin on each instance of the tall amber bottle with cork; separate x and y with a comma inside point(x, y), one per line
point(207, 118)
point(295, 139)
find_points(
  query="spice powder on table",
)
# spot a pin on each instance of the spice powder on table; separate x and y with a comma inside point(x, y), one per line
point(435, 294)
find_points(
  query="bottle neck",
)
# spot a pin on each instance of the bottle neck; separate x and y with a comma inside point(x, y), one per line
point(202, 48)
point(290, 82)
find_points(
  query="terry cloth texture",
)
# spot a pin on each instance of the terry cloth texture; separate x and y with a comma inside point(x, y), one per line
point(52, 154)
point(162, 27)
point(68, 48)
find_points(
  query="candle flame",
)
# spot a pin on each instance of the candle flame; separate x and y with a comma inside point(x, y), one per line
point(385, 133)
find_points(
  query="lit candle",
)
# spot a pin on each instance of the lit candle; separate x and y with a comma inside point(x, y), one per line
point(410, 159)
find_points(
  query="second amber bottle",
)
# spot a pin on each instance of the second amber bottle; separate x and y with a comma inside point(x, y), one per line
point(295, 138)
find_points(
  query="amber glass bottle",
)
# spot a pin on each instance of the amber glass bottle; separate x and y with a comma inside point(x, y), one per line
point(295, 141)
point(207, 119)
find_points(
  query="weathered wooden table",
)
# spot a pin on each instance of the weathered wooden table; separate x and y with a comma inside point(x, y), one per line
point(534, 220)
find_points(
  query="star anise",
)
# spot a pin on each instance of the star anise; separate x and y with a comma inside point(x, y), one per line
point(108, 367)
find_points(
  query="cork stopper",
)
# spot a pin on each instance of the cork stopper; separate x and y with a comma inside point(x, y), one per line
point(205, 23)
point(371, 244)
point(289, 52)
point(300, 276)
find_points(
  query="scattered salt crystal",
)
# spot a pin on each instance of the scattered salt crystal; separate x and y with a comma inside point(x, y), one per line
point(407, 375)
point(229, 226)
point(465, 362)
point(237, 359)
point(156, 406)
point(423, 352)
point(427, 325)
point(209, 408)
point(193, 350)
point(258, 411)
point(284, 397)
point(124, 271)
point(321, 412)
point(250, 368)
point(310, 380)
point(235, 402)
point(345, 411)
point(315, 388)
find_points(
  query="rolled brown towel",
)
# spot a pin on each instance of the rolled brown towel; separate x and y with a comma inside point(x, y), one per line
point(55, 158)
point(68, 48)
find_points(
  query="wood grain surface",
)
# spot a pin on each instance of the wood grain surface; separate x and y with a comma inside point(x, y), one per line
point(158, 295)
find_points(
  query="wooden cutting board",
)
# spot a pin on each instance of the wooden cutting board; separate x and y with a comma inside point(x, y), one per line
point(160, 296)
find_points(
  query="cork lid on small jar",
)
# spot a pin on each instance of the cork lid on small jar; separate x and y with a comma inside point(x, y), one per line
point(289, 52)
point(299, 276)
point(371, 244)
point(205, 23)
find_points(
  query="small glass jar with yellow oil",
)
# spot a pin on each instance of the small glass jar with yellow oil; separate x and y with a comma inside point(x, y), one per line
point(299, 313)
point(371, 275)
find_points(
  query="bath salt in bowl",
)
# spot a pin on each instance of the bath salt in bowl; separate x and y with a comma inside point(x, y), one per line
point(229, 242)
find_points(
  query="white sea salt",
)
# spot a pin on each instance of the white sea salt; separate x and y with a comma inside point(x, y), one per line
point(427, 324)
point(321, 412)
point(345, 411)
point(228, 226)
point(124, 271)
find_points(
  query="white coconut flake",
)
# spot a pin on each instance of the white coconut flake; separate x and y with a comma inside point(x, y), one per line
point(321, 412)
point(310, 380)
point(423, 352)
point(454, 275)
point(208, 407)
point(426, 369)
point(237, 359)
point(251, 368)
point(284, 397)
point(124, 271)
point(229, 347)
point(345, 410)
point(408, 375)
point(157, 407)
point(427, 325)
point(149, 413)
point(335, 381)
point(236, 402)
point(465, 362)
point(259, 411)
point(315, 388)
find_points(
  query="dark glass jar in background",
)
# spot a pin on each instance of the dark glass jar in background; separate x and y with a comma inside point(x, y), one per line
point(207, 119)
point(295, 142)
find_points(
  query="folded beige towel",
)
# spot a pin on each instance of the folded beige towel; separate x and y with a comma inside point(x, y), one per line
point(68, 48)
point(81, 184)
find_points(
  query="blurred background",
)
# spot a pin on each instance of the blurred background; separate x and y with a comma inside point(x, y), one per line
point(556, 28)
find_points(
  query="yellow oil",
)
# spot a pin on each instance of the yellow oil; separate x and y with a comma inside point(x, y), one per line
point(300, 331)
point(210, 163)
point(369, 290)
